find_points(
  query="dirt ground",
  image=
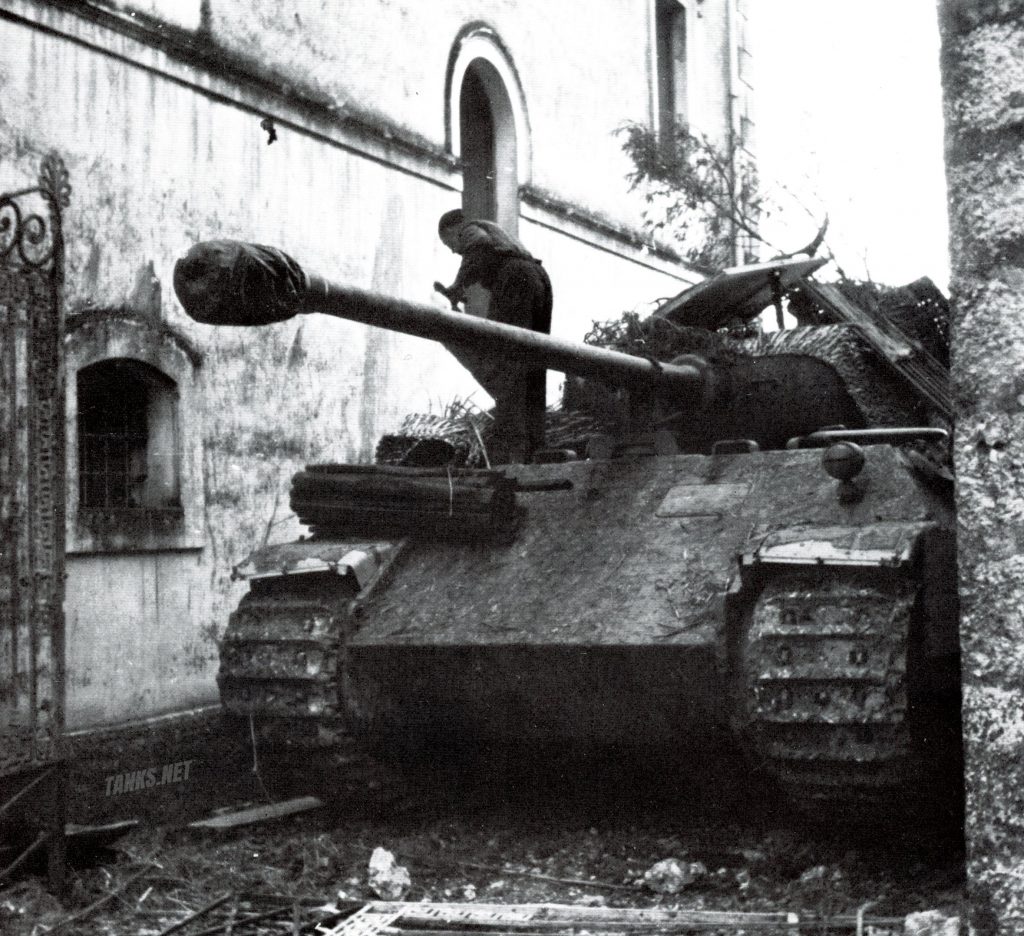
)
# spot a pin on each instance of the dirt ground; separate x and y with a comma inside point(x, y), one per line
point(577, 831)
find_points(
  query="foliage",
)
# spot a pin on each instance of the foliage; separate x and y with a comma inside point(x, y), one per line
point(659, 339)
point(705, 197)
point(709, 199)
point(455, 436)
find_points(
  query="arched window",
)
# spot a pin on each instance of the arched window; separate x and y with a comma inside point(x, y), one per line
point(487, 127)
point(134, 436)
point(127, 437)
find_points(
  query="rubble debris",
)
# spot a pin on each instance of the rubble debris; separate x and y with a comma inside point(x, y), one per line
point(753, 856)
point(669, 876)
point(386, 878)
point(26, 902)
point(245, 920)
point(531, 874)
point(535, 850)
point(102, 901)
point(931, 923)
point(817, 873)
point(201, 912)
point(85, 844)
point(258, 814)
point(260, 865)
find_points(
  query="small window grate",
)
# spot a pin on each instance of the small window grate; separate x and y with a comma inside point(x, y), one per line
point(113, 435)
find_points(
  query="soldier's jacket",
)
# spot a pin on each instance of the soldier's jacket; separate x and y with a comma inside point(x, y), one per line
point(497, 261)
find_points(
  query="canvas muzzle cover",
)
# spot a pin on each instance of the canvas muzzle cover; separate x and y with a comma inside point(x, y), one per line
point(222, 282)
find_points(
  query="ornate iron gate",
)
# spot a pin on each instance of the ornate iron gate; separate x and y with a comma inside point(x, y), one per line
point(32, 785)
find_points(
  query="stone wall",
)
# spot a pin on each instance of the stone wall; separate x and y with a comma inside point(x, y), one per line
point(983, 78)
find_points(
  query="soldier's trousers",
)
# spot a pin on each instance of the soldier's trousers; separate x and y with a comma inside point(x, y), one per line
point(521, 296)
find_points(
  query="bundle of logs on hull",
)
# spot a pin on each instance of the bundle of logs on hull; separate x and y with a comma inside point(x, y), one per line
point(368, 501)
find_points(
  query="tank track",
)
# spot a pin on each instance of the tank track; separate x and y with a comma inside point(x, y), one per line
point(824, 667)
point(282, 655)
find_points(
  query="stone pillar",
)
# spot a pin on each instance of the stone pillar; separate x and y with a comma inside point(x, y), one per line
point(983, 84)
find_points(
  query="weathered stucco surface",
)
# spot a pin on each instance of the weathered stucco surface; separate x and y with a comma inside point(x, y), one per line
point(584, 69)
point(983, 68)
point(163, 152)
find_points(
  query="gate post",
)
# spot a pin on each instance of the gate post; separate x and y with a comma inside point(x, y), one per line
point(32, 492)
point(982, 70)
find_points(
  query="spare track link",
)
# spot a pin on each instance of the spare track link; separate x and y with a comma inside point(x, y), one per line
point(825, 687)
point(281, 657)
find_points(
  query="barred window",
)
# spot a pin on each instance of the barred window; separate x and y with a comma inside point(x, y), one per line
point(127, 436)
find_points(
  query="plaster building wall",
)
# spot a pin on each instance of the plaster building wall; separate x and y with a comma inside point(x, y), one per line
point(156, 107)
point(584, 69)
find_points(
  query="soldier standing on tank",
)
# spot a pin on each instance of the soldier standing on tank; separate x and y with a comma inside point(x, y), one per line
point(519, 294)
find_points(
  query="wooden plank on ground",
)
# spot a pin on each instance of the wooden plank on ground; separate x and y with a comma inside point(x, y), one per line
point(395, 918)
point(539, 917)
point(258, 814)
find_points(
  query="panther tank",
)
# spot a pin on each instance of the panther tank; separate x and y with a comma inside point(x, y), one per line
point(760, 555)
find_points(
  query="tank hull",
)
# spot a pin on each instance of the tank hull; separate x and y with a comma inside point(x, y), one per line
point(670, 604)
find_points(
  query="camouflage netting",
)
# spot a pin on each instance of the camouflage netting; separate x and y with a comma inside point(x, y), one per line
point(918, 309)
point(883, 398)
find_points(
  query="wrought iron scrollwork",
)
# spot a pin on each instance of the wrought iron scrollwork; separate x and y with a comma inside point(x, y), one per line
point(32, 486)
point(54, 180)
point(30, 219)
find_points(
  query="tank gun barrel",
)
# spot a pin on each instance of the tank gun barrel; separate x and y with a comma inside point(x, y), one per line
point(234, 283)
